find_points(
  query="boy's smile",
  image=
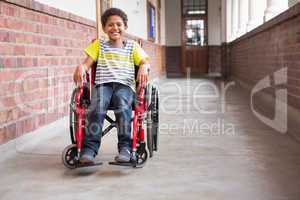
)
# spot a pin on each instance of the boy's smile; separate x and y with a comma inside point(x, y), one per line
point(115, 28)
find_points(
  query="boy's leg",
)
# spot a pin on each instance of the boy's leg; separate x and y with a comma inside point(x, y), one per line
point(100, 101)
point(122, 99)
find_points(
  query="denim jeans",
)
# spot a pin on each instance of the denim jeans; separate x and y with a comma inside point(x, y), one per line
point(121, 98)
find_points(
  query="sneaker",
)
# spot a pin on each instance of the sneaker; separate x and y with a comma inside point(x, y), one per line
point(124, 155)
point(86, 159)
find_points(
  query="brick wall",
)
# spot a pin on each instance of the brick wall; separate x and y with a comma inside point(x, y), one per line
point(156, 53)
point(270, 47)
point(39, 49)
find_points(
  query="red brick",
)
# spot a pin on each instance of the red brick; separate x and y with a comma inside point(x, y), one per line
point(14, 24)
point(19, 75)
point(10, 10)
point(6, 36)
point(41, 120)
point(6, 49)
point(11, 115)
point(19, 128)
point(294, 101)
point(8, 102)
point(2, 22)
point(294, 90)
point(7, 133)
point(29, 125)
point(19, 50)
point(9, 89)
point(2, 135)
point(3, 116)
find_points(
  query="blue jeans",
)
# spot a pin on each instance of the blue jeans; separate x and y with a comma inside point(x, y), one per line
point(121, 98)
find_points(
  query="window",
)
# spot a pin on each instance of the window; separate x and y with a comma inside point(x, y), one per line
point(195, 32)
point(194, 7)
point(194, 15)
point(151, 21)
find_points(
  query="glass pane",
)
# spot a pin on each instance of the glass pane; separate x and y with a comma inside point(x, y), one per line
point(194, 7)
point(195, 34)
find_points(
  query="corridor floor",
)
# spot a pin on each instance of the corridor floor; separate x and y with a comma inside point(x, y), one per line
point(211, 147)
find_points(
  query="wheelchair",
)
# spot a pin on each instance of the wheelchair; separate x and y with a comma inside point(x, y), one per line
point(145, 113)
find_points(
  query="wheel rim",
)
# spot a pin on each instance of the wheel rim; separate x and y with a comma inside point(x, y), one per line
point(70, 156)
point(141, 158)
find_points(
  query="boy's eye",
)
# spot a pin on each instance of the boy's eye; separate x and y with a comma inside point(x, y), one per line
point(117, 24)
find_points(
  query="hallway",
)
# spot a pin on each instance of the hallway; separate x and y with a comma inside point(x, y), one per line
point(210, 148)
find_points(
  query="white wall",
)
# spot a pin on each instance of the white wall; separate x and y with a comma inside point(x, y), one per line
point(163, 22)
point(224, 20)
point(83, 8)
point(173, 22)
point(136, 11)
point(214, 22)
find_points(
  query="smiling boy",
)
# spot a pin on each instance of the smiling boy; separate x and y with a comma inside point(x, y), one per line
point(114, 84)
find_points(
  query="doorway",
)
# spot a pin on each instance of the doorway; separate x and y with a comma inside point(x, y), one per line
point(194, 37)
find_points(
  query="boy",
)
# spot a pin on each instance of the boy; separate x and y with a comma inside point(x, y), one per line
point(114, 84)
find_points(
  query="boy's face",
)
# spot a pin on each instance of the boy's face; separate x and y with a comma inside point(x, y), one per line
point(114, 28)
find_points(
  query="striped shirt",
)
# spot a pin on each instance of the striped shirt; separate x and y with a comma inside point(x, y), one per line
point(116, 64)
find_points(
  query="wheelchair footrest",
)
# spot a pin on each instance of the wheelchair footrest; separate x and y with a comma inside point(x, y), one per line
point(96, 163)
point(126, 164)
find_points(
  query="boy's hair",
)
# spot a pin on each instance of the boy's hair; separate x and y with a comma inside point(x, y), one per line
point(113, 11)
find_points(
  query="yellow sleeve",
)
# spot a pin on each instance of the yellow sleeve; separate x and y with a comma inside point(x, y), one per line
point(92, 50)
point(139, 54)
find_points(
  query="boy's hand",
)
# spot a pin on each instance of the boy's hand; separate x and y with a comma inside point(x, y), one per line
point(143, 74)
point(80, 70)
point(78, 74)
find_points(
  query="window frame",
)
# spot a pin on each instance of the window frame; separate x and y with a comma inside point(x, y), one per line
point(151, 22)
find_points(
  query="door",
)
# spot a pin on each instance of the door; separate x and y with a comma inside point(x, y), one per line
point(194, 37)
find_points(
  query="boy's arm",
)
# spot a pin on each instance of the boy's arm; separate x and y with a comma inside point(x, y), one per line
point(141, 59)
point(143, 72)
point(92, 52)
point(86, 65)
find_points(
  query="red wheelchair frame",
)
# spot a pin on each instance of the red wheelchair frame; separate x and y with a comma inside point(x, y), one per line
point(145, 109)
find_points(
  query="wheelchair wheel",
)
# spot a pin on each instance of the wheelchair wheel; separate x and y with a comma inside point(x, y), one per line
point(69, 156)
point(152, 122)
point(155, 119)
point(141, 159)
point(73, 117)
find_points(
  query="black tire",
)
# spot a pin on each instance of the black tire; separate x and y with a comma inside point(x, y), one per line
point(69, 156)
point(152, 122)
point(155, 119)
point(149, 121)
point(73, 116)
point(149, 136)
point(141, 159)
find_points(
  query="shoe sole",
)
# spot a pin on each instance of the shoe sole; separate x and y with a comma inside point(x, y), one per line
point(123, 160)
point(86, 161)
